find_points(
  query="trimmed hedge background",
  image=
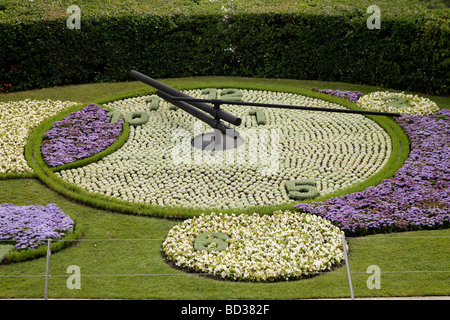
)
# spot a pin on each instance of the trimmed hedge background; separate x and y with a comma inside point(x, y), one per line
point(410, 52)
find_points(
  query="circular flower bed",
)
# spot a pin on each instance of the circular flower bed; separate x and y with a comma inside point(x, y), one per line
point(79, 135)
point(282, 246)
point(29, 226)
point(407, 104)
point(335, 150)
point(17, 120)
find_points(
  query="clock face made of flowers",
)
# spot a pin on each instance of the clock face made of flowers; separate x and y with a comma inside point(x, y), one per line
point(294, 154)
point(281, 156)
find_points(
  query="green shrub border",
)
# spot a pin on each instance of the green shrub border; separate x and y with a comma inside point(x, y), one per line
point(410, 51)
point(17, 175)
point(400, 151)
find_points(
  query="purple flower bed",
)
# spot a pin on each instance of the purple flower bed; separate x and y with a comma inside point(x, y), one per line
point(30, 226)
point(79, 135)
point(349, 95)
point(416, 197)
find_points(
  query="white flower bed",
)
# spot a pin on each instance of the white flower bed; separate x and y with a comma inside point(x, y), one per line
point(335, 150)
point(17, 120)
point(408, 104)
point(281, 246)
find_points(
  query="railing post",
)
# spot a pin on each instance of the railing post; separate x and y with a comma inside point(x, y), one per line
point(348, 267)
point(47, 272)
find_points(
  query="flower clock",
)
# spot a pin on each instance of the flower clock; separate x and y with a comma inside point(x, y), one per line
point(271, 204)
point(282, 150)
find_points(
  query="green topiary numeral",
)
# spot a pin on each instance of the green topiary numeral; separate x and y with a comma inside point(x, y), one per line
point(301, 189)
point(154, 103)
point(136, 118)
point(231, 94)
point(115, 115)
point(211, 93)
point(260, 116)
point(397, 103)
point(211, 241)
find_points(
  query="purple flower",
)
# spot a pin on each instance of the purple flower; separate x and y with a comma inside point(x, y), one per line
point(349, 95)
point(416, 197)
point(30, 226)
point(79, 135)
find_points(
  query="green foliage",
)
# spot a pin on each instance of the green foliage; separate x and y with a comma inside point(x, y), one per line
point(101, 253)
point(115, 115)
point(268, 39)
point(153, 103)
point(302, 189)
point(4, 249)
point(211, 241)
point(136, 118)
point(231, 95)
point(395, 102)
point(260, 116)
point(435, 4)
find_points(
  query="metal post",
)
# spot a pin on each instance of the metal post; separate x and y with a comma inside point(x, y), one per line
point(348, 267)
point(49, 251)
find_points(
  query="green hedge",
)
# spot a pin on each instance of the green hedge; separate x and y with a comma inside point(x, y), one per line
point(406, 53)
point(410, 52)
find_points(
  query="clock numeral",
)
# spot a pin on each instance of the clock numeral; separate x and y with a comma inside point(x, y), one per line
point(398, 102)
point(225, 94)
point(301, 189)
point(153, 102)
point(260, 116)
point(136, 118)
point(115, 115)
point(211, 93)
point(211, 241)
point(231, 94)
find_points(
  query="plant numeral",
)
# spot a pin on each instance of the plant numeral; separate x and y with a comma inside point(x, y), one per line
point(301, 189)
point(136, 118)
point(211, 93)
point(396, 102)
point(211, 241)
point(260, 116)
point(231, 94)
point(153, 102)
point(115, 115)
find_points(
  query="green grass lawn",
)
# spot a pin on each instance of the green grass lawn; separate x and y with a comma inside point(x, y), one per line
point(120, 257)
point(85, 93)
point(130, 264)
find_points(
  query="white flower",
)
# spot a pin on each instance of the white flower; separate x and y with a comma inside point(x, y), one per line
point(335, 150)
point(17, 121)
point(284, 245)
point(408, 104)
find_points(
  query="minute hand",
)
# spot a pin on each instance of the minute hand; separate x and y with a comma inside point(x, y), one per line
point(284, 106)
